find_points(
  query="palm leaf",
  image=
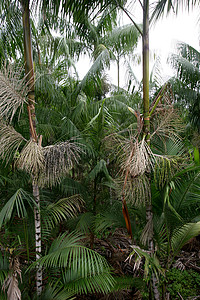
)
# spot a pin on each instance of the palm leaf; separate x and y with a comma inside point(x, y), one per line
point(61, 210)
point(122, 38)
point(92, 76)
point(185, 197)
point(11, 282)
point(57, 293)
point(183, 234)
point(99, 168)
point(97, 283)
point(16, 202)
point(4, 267)
point(13, 92)
point(10, 141)
point(79, 262)
point(66, 252)
point(187, 71)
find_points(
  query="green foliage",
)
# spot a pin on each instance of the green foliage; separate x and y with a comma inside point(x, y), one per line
point(16, 203)
point(82, 270)
point(185, 283)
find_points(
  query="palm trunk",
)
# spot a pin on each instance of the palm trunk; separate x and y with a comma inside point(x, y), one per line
point(38, 248)
point(146, 127)
point(28, 57)
point(118, 72)
point(145, 45)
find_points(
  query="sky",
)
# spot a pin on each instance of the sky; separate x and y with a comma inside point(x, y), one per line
point(184, 27)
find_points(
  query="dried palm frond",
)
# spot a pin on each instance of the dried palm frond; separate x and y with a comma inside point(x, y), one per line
point(137, 158)
point(167, 123)
point(13, 91)
point(31, 158)
point(58, 160)
point(10, 141)
point(11, 282)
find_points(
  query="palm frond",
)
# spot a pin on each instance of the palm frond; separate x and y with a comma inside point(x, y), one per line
point(165, 168)
point(57, 292)
point(16, 202)
point(61, 210)
point(187, 71)
point(10, 141)
point(183, 234)
point(13, 92)
point(167, 124)
point(130, 76)
point(4, 267)
point(185, 196)
point(67, 252)
point(147, 232)
point(155, 76)
point(85, 222)
point(123, 38)
point(69, 186)
point(151, 262)
point(102, 60)
point(99, 168)
point(162, 6)
point(98, 283)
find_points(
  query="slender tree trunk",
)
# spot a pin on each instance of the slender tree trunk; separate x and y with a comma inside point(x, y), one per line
point(28, 57)
point(145, 50)
point(146, 127)
point(38, 246)
point(118, 72)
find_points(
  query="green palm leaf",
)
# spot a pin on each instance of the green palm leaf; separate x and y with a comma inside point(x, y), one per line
point(4, 267)
point(97, 283)
point(61, 210)
point(66, 252)
point(57, 293)
point(183, 234)
point(16, 202)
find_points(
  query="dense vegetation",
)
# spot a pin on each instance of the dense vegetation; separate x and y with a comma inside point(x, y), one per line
point(99, 185)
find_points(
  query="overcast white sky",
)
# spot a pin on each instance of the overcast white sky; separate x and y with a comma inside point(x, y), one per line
point(182, 27)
